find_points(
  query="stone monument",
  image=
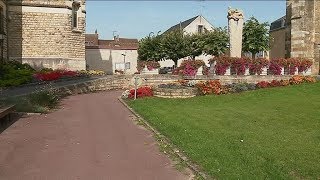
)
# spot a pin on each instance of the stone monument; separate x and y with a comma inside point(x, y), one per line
point(235, 26)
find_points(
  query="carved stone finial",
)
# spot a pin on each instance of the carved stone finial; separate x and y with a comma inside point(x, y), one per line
point(235, 14)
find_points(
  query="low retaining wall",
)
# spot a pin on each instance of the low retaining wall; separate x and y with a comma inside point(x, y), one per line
point(124, 82)
point(175, 93)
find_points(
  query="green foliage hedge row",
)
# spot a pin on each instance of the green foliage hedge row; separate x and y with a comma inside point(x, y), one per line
point(14, 73)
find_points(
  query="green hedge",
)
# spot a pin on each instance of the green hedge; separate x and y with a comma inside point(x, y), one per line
point(14, 73)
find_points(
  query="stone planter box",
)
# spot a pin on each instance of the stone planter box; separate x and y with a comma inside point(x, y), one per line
point(307, 72)
point(186, 92)
point(264, 71)
point(228, 72)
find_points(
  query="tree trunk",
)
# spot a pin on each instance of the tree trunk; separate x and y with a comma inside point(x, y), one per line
point(253, 55)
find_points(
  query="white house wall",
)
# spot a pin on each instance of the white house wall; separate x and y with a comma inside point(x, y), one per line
point(193, 26)
point(100, 59)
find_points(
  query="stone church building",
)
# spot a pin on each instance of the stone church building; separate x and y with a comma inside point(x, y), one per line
point(298, 33)
point(44, 33)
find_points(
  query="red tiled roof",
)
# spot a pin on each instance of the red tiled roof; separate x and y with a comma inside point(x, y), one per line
point(92, 39)
point(119, 44)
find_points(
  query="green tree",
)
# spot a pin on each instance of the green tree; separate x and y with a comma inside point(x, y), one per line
point(174, 45)
point(194, 45)
point(216, 41)
point(255, 36)
point(150, 49)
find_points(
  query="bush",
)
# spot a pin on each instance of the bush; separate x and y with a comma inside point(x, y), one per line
point(296, 80)
point(209, 87)
point(145, 91)
point(309, 79)
point(239, 87)
point(47, 99)
point(54, 75)
point(263, 84)
point(14, 74)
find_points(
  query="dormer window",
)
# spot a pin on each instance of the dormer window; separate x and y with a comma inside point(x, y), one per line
point(75, 9)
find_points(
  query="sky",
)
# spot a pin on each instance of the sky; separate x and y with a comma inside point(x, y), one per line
point(136, 19)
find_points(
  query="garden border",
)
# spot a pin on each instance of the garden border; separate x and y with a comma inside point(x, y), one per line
point(192, 166)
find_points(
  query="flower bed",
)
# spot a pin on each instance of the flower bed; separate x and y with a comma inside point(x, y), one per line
point(55, 75)
point(149, 65)
point(190, 68)
point(279, 66)
point(145, 91)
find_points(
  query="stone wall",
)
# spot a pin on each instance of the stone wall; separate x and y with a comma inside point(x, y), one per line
point(3, 35)
point(303, 26)
point(277, 45)
point(124, 82)
point(43, 36)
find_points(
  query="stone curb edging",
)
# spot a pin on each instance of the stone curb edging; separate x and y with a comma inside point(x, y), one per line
point(175, 150)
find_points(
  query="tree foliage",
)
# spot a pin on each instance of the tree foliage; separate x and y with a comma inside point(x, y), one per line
point(216, 42)
point(176, 44)
point(150, 49)
point(255, 36)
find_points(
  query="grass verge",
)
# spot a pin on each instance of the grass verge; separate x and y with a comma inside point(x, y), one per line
point(264, 134)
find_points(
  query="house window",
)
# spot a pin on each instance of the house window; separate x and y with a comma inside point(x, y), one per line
point(75, 9)
point(127, 65)
point(200, 29)
point(119, 66)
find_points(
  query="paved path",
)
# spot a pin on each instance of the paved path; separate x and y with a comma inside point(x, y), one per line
point(91, 137)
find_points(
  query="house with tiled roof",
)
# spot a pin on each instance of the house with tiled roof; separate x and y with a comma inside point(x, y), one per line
point(194, 25)
point(118, 54)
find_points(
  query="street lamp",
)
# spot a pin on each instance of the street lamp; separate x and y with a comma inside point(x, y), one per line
point(124, 63)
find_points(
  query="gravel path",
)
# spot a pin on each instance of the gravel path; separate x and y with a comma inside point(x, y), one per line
point(91, 136)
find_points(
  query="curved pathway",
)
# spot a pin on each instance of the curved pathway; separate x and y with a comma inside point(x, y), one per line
point(91, 136)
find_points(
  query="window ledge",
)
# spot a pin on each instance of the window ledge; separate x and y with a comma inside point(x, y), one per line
point(76, 31)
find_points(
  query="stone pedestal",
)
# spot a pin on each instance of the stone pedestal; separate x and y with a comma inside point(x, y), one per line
point(235, 27)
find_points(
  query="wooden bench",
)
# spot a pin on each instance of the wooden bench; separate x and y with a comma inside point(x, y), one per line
point(6, 111)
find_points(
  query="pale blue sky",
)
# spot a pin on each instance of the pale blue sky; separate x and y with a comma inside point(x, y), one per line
point(136, 19)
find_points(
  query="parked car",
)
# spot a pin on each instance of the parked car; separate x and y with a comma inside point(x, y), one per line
point(165, 70)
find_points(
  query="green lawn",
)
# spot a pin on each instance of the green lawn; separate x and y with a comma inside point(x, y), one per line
point(280, 129)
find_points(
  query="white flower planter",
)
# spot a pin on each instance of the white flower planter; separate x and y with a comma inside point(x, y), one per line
point(212, 69)
point(307, 72)
point(247, 72)
point(228, 72)
point(296, 72)
point(282, 71)
point(264, 71)
point(199, 72)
